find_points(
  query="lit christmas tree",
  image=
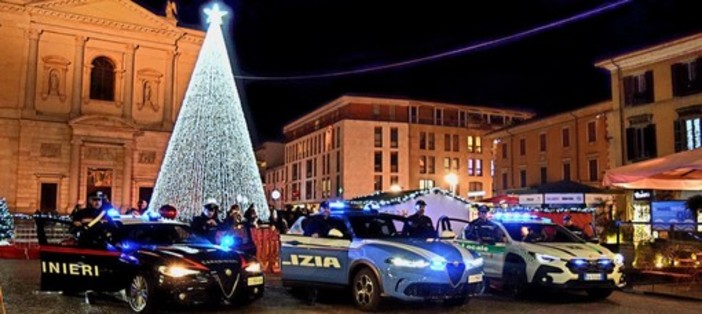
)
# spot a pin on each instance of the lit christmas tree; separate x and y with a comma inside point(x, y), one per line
point(210, 154)
point(6, 223)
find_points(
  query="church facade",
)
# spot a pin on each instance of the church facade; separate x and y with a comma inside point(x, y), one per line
point(89, 92)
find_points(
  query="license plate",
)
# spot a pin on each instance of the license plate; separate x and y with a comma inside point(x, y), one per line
point(593, 276)
point(255, 281)
point(475, 278)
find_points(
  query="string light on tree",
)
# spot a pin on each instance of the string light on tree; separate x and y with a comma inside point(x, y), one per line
point(6, 223)
point(210, 154)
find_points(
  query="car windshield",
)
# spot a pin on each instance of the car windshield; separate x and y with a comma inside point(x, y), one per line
point(375, 227)
point(160, 234)
point(537, 232)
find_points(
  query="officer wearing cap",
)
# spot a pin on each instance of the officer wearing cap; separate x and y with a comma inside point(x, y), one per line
point(418, 224)
point(207, 223)
point(568, 224)
point(92, 224)
point(84, 216)
point(481, 228)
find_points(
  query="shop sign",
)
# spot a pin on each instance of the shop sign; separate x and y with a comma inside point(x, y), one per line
point(564, 198)
point(531, 199)
point(596, 199)
point(642, 195)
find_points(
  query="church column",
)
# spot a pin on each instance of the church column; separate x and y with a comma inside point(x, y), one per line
point(78, 75)
point(128, 82)
point(127, 182)
point(167, 120)
point(32, 63)
point(74, 177)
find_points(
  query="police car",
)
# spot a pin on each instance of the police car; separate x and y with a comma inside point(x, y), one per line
point(367, 252)
point(149, 260)
point(522, 251)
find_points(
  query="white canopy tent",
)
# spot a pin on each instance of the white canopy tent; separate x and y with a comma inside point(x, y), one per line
point(680, 171)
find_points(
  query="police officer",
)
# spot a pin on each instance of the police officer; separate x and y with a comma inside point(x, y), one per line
point(321, 223)
point(568, 224)
point(84, 216)
point(482, 216)
point(92, 224)
point(207, 223)
point(418, 224)
point(481, 223)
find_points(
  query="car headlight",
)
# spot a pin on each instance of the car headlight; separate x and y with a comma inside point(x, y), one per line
point(402, 262)
point(253, 267)
point(619, 259)
point(546, 259)
point(474, 263)
point(176, 271)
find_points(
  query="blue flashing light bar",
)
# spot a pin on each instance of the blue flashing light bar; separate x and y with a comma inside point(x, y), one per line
point(518, 217)
point(227, 242)
point(113, 213)
point(337, 205)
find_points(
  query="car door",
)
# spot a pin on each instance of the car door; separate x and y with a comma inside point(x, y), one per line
point(314, 259)
point(488, 241)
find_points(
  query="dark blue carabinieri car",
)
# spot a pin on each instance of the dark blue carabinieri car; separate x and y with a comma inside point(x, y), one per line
point(151, 261)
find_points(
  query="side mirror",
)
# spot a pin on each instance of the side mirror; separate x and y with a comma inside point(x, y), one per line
point(335, 233)
point(447, 235)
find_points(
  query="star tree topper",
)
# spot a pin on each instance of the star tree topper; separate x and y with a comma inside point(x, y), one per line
point(214, 15)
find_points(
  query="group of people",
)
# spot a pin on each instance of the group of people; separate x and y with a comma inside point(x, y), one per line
point(208, 223)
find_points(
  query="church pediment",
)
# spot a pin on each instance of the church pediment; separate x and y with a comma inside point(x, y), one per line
point(111, 12)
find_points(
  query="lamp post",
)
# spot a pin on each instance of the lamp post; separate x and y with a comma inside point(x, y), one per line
point(395, 188)
point(452, 180)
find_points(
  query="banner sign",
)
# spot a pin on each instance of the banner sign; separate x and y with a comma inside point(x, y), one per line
point(564, 198)
point(531, 199)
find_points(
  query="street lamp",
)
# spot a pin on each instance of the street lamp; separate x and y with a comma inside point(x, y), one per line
point(452, 180)
point(395, 188)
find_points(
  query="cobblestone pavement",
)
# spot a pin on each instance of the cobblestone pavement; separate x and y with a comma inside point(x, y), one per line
point(19, 280)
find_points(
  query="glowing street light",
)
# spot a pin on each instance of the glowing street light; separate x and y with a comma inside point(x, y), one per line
point(452, 180)
point(395, 188)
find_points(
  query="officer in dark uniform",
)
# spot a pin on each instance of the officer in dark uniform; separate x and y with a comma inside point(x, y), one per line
point(207, 223)
point(482, 227)
point(418, 224)
point(320, 224)
point(92, 225)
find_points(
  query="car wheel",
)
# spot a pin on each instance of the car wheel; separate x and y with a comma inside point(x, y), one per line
point(366, 290)
point(515, 280)
point(140, 294)
point(599, 294)
point(456, 301)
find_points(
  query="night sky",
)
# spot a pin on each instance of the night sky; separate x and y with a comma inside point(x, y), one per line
point(547, 72)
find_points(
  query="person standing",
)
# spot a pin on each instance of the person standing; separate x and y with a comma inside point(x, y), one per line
point(207, 223)
point(568, 224)
point(418, 224)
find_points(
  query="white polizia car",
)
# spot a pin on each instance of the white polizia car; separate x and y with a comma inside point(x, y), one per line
point(522, 251)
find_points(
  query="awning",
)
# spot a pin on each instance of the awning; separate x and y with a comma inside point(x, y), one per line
point(680, 171)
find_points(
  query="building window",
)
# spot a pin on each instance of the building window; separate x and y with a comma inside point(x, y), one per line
point(378, 162)
point(455, 142)
point(338, 162)
point(377, 183)
point(426, 184)
point(505, 184)
point(308, 190)
point(430, 140)
point(471, 167)
point(641, 142)
point(394, 162)
point(48, 201)
point(638, 89)
point(102, 79)
point(438, 116)
point(687, 77)
point(492, 168)
point(591, 132)
point(688, 134)
point(542, 142)
point(393, 137)
point(479, 167)
point(376, 109)
point(455, 165)
point(394, 180)
point(308, 168)
point(593, 170)
point(430, 165)
point(294, 171)
point(378, 136)
point(447, 164)
point(422, 140)
point(522, 147)
point(478, 144)
point(522, 178)
point(504, 150)
point(447, 142)
point(566, 171)
point(413, 115)
point(469, 143)
point(565, 137)
point(423, 164)
point(543, 175)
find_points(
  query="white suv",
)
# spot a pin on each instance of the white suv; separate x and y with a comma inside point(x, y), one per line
point(522, 251)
